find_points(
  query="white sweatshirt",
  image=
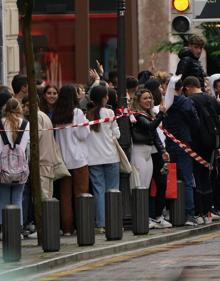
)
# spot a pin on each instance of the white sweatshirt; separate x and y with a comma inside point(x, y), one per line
point(72, 142)
point(101, 147)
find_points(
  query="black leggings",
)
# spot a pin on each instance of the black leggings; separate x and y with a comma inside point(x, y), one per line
point(157, 204)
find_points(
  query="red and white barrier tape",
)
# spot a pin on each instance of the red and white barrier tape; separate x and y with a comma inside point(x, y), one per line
point(130, 114)
point(187, 149)
point(84, 124)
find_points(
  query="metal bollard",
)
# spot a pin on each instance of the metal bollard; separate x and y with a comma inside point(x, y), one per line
point(50, 225)
point(11, 231)
point(140, 210)
point(177, 206)
point(113, 215)
point(85, 219)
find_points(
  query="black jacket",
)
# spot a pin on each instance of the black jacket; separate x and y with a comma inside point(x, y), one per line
point(144, 131)
point(205, 139)
point(190, 66)
point(181, 120)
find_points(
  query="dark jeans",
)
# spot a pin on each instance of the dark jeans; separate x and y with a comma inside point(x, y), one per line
point(158, 203)
point(203, 191)
point(184, 165)
point(27, 203)
point(215, 177)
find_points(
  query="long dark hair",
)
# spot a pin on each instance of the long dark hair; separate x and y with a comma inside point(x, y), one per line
point(43, 103)
point(93, 108)
point(66, 102)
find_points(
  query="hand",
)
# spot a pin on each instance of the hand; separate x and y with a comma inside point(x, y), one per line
point(162, 107)
point(93, 75)
point(100, 68)
point(166, 157)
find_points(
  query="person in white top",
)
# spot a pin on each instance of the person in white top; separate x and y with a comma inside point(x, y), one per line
point(73, 152)
point(103, 158)
point(12, 120)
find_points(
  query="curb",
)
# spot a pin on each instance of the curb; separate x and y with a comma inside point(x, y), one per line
point(104, 251)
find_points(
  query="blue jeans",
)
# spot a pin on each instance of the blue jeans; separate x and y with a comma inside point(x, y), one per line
point(11, 194)
point(103, 178)
point(184, 165)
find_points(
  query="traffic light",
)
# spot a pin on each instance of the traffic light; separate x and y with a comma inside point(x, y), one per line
point(181, 16)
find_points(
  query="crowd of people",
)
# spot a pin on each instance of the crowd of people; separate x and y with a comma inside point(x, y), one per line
point(89, 153)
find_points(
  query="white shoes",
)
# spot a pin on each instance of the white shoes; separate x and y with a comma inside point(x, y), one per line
point(33, 235)
point(203, 220)
point(159, 223)
point(191, 221)
point(152, 223)
point(215, 217)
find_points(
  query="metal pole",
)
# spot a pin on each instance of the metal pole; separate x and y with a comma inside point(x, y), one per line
point(11, 230)
point(50, 225)
point(113, 214)
point(125, 140)
point(85, 219)
point(121, 8)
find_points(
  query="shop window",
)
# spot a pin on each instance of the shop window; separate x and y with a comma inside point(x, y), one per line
point(54, 49)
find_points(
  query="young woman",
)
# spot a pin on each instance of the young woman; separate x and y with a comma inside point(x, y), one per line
point(103, 156)
point(73, 152)
point(12, 119)
point(49, 99)
point(145, 139)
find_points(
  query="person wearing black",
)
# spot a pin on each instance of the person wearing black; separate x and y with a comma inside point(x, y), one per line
point(204, 142)
point(145, 137)
point(189, 64)
point(181, 120)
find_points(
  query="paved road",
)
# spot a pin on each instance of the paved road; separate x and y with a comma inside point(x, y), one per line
point(196, 259)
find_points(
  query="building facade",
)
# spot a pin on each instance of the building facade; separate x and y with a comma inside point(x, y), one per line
point(54, 37)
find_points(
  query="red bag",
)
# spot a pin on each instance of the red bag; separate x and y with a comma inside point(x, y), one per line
point(171, 191)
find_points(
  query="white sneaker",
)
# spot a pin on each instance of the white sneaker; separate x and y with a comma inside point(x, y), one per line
point(207, 220)
point(162, 223)
point(200, 220)
point(152, 223)
point(31, 227)
point(191, 221)
point(215, 217)
point(33, 235)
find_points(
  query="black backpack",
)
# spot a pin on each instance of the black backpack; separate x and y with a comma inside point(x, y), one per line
point(209, 130)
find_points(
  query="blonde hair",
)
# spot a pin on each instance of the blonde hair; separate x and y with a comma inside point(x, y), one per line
point(12, 112)
point(162, 76)
point(135, 105)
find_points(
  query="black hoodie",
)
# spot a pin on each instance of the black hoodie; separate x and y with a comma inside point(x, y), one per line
point(181, 120)
point(189, 65)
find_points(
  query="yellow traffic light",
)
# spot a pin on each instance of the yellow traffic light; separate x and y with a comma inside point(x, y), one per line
point(181, 5)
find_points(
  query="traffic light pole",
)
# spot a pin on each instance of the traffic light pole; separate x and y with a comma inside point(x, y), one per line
point(124, 125)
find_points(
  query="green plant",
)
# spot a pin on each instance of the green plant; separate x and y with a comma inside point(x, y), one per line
point(211, 33)
point(172, 47)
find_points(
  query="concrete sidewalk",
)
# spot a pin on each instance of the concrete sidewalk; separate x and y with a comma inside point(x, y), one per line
point(34, 260)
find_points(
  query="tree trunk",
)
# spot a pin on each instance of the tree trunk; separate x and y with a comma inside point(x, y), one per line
point(32, 92)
